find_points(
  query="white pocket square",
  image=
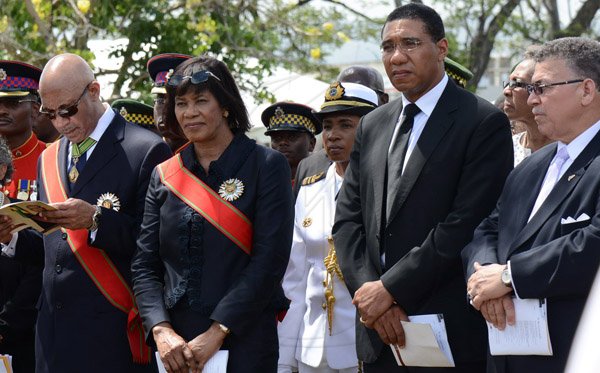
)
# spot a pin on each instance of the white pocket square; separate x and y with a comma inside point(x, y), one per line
point(569, 220)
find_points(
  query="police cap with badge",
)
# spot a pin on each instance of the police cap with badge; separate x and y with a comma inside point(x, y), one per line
point(348, 98)
point(135, 112)
point(159, 67)
point(460, 74)
point(290, 116)
point(18, 79)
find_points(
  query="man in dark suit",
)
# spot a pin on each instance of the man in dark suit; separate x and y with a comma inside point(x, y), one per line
point(96, 177)
point(542, 239)
point(318, 161)
point(402, 219)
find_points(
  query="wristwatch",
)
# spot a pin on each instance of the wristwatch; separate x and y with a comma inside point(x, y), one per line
point(224, 329)
point(505, 277)
point(95, 219)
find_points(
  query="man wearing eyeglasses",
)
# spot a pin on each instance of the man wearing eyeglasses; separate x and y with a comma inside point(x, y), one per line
point(541, 243)
point(424, 171)
point(19, 103)
point(96, 177)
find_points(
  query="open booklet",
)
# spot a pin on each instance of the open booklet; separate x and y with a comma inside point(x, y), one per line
point(216, 364)
point(426, 343)
point(6, 364)
point(24, 214)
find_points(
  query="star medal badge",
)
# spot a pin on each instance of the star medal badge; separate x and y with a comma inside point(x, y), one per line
point(109, 201)
point(231, 190)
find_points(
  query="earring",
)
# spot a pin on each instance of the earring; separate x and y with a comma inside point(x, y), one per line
point(225, 114)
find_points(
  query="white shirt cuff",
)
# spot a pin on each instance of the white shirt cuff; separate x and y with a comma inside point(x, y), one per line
point(9, 249)
point(512, 281)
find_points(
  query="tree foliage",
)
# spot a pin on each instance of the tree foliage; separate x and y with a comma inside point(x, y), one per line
point(252, 37)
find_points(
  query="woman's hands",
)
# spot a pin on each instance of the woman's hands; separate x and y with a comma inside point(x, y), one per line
point(181, 357)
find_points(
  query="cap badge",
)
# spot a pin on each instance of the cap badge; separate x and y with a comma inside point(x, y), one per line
point(231, 190)
point(168, 76)
point(3, 75)
point(109, 201)
point(279, 112)
point(123, 111)
point(335, 92)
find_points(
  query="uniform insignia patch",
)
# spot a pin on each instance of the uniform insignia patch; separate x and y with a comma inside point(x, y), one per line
point(313, 179)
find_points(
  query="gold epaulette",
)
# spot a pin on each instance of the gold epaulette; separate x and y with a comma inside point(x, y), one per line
point(313, 179)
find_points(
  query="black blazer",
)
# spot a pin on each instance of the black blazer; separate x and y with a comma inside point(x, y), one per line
point(451, 182)
point(77, 328)
point(222, 283)
point(548, 259)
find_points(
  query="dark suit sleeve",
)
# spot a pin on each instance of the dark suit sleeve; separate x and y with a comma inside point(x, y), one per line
point(30, 247)
point(487, 162)
point(349, 230)
point(484, 247)
point(19, 311)
point(117, 231)
point(147, 267)
point(273, 225)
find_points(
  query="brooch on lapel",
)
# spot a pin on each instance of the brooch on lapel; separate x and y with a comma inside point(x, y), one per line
point(231, 190)
point(109, 201)
point(306, 222)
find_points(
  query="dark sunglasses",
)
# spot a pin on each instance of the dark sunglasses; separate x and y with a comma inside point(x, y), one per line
point(512, 84)
point(13, 103)
point(538, 89)
point(196, 78)
point(66, 112)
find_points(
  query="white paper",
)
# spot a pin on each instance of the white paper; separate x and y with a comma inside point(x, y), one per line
point(426, 343)
point(529, 335)
point(6, 364)
point(216, 364)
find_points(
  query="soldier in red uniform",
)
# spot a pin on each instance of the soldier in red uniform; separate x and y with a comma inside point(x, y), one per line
point(19, 105)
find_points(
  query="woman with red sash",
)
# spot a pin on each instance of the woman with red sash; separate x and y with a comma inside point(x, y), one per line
point(216, 234)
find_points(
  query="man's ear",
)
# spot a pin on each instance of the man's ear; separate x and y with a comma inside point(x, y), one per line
point(590, 92)
point(35, 110)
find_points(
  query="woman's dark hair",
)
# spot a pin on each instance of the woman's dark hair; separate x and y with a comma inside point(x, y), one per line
point(225, 91)
point(6, 158)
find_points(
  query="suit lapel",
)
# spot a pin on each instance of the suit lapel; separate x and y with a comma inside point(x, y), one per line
point(559, 193)
point(105, 150)
point(63, 151)
point(436, 127)
point(381, 145)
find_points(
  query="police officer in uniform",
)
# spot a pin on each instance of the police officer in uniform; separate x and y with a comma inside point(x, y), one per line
point(159, 67)
point(292, 129)
point(19, 105)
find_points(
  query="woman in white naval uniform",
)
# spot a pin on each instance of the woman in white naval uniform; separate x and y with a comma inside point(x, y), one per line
point(318, 332)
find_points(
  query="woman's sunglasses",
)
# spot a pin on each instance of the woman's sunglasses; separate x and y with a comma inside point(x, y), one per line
point(196, 78)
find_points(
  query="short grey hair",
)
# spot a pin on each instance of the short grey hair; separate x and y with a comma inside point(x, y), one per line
point(6, 158)
point(582, 55)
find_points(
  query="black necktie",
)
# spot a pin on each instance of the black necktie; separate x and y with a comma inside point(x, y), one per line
point(396, 155)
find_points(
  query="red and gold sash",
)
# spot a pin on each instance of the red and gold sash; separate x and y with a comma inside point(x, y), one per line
point(193, 192)
point(95, 262)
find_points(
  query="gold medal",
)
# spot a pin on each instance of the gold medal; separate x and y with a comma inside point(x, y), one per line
point(73, 174)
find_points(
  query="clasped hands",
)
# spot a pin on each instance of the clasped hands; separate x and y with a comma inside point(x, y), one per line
point(179, 356)
point(377, 310)
point(490, 296)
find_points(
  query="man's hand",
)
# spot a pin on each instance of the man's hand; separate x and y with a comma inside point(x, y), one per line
point(371, 301)
point(174, 353)
point(486, 284)
point(389, 327)
point(71, 214)
point(206, 345)
point(499, 311)
point(6, 226)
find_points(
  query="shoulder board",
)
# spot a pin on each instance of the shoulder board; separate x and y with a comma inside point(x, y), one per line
point(313, 179)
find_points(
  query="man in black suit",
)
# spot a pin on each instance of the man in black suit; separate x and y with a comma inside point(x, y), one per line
point(413, 194)
point(318, 161)
point(96, 177)
point(542, 240)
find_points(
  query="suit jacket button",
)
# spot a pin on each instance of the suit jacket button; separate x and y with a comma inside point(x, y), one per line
point(59, 306)
point(58, 268)
point(63, 236)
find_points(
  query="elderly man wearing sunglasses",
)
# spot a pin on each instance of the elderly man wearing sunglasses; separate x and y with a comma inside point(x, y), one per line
point(96, 177)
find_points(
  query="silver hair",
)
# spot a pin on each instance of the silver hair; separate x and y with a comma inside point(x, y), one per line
point(582, 55)
point(6, 158)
